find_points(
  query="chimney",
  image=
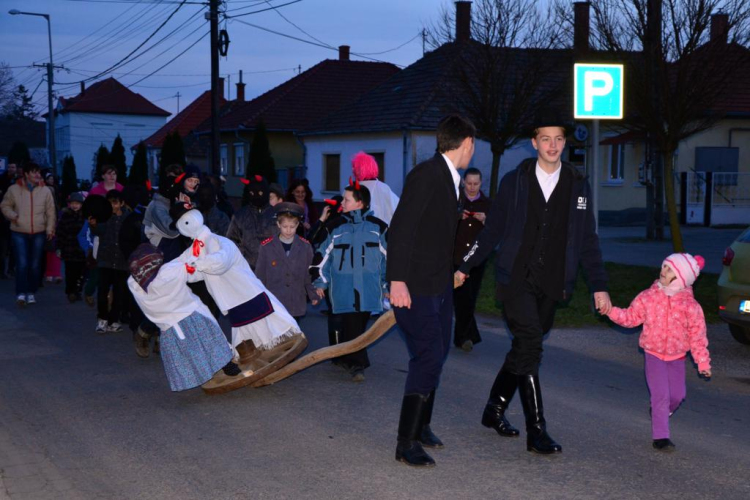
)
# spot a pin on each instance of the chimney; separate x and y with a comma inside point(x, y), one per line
point(240, 89)
point(720, 28)
point(463, 21)
point(581, 27)
point(221, 87)
point(83, 87)
point(344, 52)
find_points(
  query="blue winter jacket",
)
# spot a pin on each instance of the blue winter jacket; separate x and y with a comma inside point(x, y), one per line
point(353, 265)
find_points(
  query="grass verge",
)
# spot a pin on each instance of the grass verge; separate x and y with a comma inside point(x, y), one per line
point(625, 282)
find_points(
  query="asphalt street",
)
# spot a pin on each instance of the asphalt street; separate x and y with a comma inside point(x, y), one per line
point(82, 417)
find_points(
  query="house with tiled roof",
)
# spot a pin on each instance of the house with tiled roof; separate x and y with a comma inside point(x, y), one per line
point(288, 109)
point(96, 116)
point(184, 123)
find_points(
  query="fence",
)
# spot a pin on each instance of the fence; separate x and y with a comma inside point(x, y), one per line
point(715, 198)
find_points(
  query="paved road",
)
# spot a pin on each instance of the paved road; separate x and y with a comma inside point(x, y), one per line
point(82, 417)
point(628, 245)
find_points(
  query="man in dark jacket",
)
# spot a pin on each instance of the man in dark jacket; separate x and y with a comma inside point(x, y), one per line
point(545, 229)
point(419, 268)
point(475, 206)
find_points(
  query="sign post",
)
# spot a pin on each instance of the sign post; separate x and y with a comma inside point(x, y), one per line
point(597, 95)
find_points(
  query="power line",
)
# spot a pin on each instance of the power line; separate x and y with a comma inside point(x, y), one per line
point(290, 22)
point(274, 7)
point(391, 50)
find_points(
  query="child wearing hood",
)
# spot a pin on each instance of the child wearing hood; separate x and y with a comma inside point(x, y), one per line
point(673, 324)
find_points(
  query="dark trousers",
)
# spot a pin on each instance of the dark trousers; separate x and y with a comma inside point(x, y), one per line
point(464, 305)
point(352, 326)
point(74, 276)
point(427, 330)
point(28, 252)
point(118, 281)
point(529, 314)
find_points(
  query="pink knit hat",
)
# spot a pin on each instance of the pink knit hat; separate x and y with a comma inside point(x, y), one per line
point(364, 167)
point(685, 266)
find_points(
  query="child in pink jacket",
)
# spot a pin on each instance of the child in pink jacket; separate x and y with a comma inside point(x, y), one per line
point(673, 324)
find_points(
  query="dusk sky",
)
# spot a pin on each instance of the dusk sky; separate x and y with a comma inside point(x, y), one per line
point(89, 36)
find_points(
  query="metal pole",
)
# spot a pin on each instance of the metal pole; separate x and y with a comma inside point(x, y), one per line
point(595, 173)
point(215, 165)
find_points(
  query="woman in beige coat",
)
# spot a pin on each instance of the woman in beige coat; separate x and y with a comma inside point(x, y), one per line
point(29, 205)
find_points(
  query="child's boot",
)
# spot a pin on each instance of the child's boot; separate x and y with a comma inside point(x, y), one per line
point(664, 445)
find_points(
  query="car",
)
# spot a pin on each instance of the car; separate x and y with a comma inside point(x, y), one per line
point(734, 288)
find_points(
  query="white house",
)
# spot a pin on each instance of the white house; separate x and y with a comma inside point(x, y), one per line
point(96, 116)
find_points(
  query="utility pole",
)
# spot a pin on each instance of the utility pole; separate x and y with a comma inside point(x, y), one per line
point(424, 41)
point(213, 14)
point(178, 102)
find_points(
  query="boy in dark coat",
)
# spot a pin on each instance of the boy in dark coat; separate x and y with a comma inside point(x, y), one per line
point(68, 227)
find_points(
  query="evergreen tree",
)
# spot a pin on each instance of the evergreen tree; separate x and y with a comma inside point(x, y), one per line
point(19, 154)
point(102, 158)
point(260, 161)
point(23, 107)
point(117, 158)
point(172, 151)
point(69, 177)
point(139, 168)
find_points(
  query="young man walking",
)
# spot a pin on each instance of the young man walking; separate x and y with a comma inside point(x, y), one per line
point(543, 227)
point(419, 269)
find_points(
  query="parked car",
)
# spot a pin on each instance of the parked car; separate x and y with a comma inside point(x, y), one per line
point(734, 288)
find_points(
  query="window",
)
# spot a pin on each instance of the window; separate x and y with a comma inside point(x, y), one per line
point(332, 172)
point(223, 159)
point(380, 160)
point(616, 163)
point(239, 160)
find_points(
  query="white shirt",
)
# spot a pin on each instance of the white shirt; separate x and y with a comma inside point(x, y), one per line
point(547, 181)
point(454, 173)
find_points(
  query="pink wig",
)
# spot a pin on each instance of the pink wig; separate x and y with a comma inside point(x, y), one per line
point(364, 167)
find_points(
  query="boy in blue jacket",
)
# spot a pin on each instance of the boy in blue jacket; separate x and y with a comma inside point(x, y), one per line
point(353, 271)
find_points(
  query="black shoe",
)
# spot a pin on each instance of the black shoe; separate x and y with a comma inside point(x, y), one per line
point(494, 411)
point(426, 436)
point(664, 445)
point(231, 369)
point(410, 424)
point(537, 439)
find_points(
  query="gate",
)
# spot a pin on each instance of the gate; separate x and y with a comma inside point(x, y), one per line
point(715, 198)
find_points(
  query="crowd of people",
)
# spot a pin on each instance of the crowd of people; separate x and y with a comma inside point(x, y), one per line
point(168, 264)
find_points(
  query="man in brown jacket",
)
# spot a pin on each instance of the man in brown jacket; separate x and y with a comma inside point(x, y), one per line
point(29, 205)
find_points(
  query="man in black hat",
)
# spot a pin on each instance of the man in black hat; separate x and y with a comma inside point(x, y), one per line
point(543, 227)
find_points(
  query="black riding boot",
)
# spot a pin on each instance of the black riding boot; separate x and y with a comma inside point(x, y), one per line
point(537, 439)
point(409, 450)
point(426, 436)
point(500, 395)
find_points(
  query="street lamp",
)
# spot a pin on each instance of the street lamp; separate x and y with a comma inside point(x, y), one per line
point(50, 78)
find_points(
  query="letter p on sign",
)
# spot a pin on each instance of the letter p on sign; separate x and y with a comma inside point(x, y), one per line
point(598, 91)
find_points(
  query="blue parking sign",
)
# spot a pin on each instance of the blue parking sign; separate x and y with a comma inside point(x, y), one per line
point(598, 91)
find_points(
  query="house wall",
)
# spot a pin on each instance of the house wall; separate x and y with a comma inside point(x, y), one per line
point(81, 134)
point(717, 136)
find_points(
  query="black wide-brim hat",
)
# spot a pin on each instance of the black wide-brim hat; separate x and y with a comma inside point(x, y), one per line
point(548, 116)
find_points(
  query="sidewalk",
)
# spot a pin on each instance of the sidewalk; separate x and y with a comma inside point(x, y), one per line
point(628, 245)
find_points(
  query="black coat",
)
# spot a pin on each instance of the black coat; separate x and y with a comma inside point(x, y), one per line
point(505, 224)
point(68, 227)
point(423, 229)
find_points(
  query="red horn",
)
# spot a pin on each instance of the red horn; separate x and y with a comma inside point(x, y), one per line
point(245, 181)
point(148, 185)
point(350, 181)
point(333, 203)
point(356, 185)
point(179, 178)
point(258, 178)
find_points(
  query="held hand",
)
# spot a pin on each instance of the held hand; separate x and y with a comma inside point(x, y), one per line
point(603, 302)
point(400, 295)
point(321, 292)
point(458, 279)
point(50, 236)
point(315, 302)
point(706, 373)
point(480, 216)
point(306, 226)
point(465, 215)
point(325, 213)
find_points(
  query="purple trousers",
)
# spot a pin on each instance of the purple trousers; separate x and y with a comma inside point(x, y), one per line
point(666, 382)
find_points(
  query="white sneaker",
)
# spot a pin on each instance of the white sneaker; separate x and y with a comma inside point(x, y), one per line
point(21, 300)
point(114, 327)
point(30, 298)
point(101, 326)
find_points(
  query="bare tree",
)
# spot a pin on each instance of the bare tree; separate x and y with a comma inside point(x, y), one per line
point(679, 73)
point(7, 87)
point(505, 71)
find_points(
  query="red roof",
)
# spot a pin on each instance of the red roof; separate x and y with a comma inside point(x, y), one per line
point(298, 103)
point(186, 120)
point(110, 96)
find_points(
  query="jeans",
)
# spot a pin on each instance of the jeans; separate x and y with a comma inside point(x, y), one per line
point(28, 250)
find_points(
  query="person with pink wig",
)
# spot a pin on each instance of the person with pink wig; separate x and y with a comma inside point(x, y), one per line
point(383, 201)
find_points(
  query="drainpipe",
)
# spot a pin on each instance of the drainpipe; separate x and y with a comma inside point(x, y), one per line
point(736, 129)
point(304, 152)
point(406, 139)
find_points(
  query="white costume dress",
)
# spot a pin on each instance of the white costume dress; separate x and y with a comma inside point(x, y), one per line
point(232, 283)
point(383, 201)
